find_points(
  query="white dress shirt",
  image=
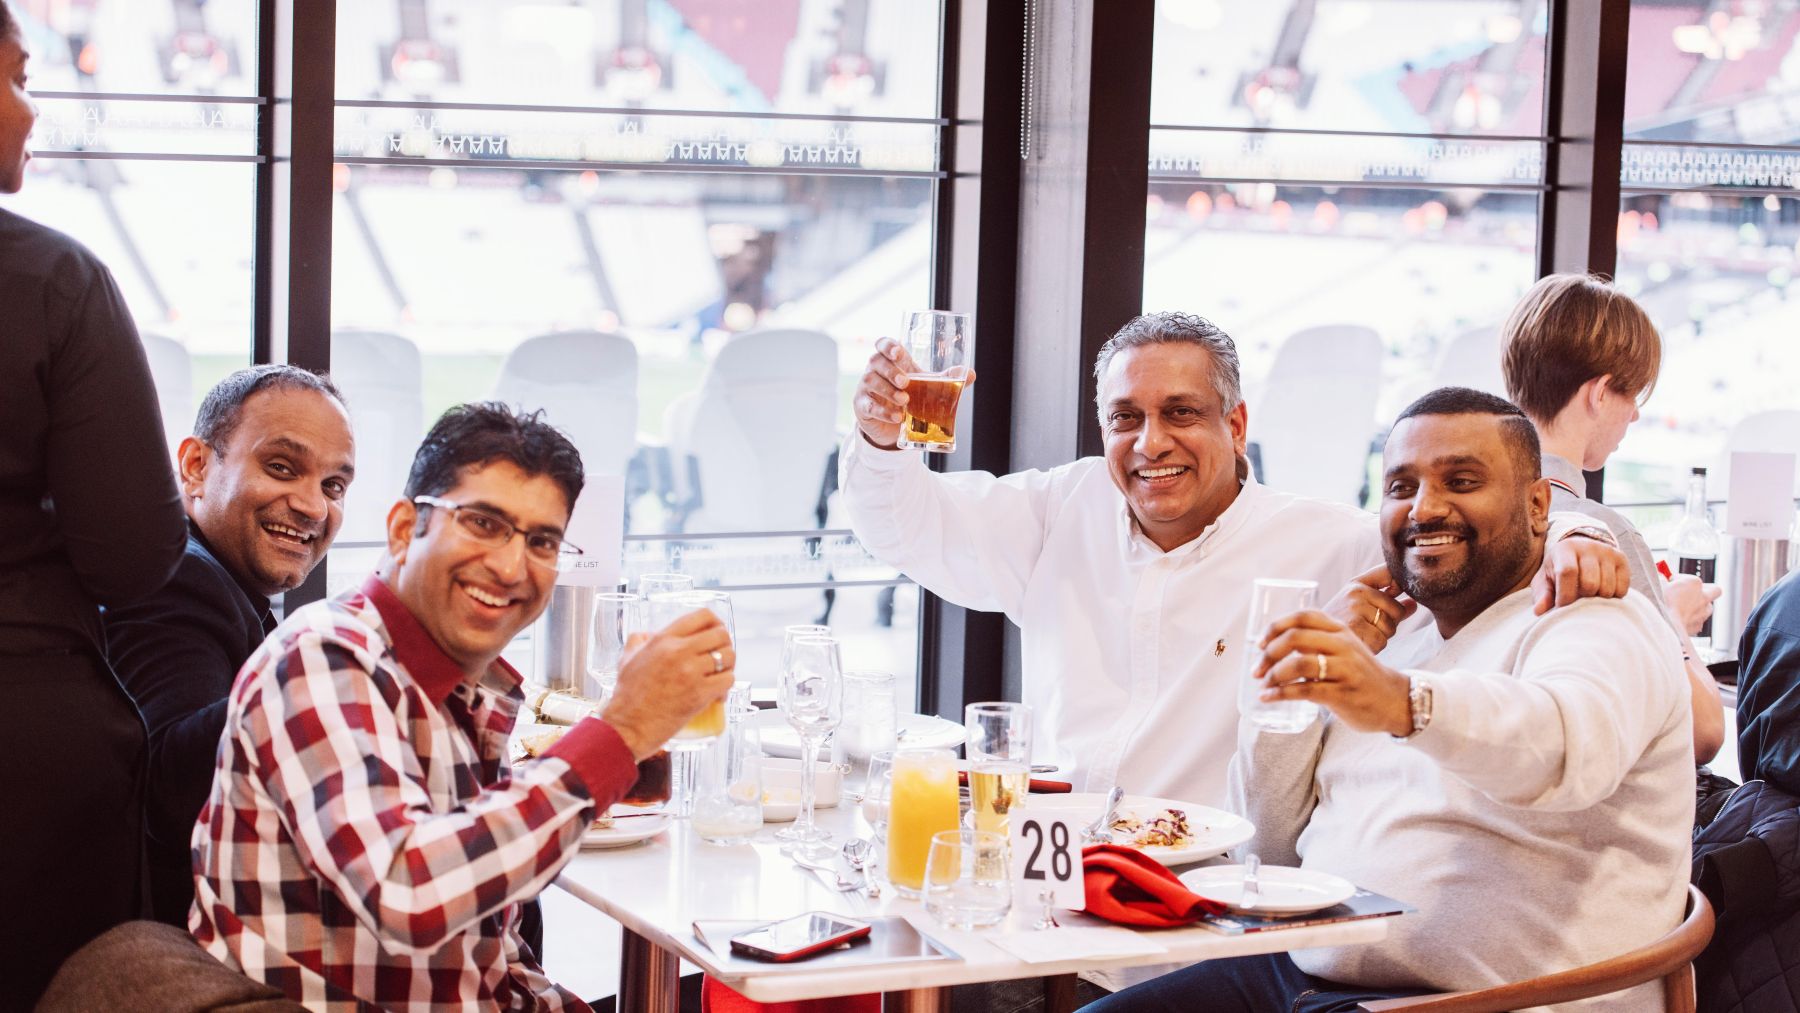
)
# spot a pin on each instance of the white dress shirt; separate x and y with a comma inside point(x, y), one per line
point(1131, 654)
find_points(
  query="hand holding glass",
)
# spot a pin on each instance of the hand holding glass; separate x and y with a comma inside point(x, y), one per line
point(1270, 600)
point(663, 609)
point(942, 346)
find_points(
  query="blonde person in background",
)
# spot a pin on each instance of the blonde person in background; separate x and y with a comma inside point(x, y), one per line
point(1580, 357)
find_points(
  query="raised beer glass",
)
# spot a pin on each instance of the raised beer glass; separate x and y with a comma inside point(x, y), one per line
point(942, 347)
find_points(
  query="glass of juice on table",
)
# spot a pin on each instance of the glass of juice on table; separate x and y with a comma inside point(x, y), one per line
point(921, 801)
point(999, 753)
point(941, 347)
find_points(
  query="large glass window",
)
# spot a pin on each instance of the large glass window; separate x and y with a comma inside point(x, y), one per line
point(1345, 180)
point(145, 151)
point(1709, 229)
point(678, 226)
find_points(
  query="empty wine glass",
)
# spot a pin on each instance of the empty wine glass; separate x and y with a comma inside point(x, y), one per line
point(811, 692)
point(613, 625)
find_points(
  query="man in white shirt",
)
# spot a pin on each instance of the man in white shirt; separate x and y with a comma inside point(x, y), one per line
point(1129, 575)
point(1525, 780)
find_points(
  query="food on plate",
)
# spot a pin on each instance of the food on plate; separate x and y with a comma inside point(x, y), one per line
point(537, 743)
point(604, 821)
point(1165, 829)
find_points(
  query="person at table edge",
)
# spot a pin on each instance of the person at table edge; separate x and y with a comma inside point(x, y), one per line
point(365, 843)
point(1129, 575)
point(263, 478)
point(1528, 790)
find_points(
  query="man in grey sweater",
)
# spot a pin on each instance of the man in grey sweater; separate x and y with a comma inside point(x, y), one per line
point(1526, 781)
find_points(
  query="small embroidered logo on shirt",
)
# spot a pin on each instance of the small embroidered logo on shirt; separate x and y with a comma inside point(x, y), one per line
point(1219, 648)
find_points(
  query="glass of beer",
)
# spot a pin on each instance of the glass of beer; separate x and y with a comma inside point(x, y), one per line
point(663, 609)
point(942, 347)
point(999, 754)
point(1272, 599)
point(921, 802)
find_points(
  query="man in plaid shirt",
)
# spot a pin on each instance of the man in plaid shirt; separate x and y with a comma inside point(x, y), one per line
point(365, 845)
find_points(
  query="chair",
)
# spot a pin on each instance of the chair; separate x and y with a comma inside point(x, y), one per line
point(152, 966)
point(1471, 359)
point(1331, 373)
point(749, 448)
point(382, 378)
point(1670, 958)
point(172, 370)
point(586, 384)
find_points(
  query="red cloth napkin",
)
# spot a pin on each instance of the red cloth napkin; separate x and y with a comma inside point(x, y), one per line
point(717, 998)
point(1128, 887)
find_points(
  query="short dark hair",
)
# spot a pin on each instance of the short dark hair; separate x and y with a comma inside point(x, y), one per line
point(223, 406)
point(471, 435)
point(1169, 328)
point(1515, 426)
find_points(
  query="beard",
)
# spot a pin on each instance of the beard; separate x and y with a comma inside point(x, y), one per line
point(1493, 566)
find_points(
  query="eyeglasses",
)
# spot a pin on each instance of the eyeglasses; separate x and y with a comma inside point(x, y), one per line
point(541, 547)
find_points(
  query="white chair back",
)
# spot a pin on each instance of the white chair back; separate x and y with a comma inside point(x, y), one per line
point(1315, 416)
point(1471, 359)
point(383, 379)
point(760, 429)
point(586, 384)
point(172, 370)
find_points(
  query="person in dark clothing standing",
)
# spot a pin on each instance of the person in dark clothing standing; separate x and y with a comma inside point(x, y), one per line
point(263, 478)
point(91, 517)
point(1769, 689)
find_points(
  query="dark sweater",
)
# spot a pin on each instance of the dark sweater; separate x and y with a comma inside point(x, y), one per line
point(177, 653)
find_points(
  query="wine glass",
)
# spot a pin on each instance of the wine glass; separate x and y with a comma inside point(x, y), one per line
point(811, 698)
point(613, 626)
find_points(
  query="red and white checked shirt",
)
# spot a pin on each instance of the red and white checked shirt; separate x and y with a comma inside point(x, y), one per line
point(365, 845)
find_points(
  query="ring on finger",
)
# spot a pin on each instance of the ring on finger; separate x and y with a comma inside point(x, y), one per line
point(1324, 668)
point(1375, 617)
point(718, 661)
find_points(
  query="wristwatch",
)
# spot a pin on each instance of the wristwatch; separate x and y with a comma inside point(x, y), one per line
point(1418, 699)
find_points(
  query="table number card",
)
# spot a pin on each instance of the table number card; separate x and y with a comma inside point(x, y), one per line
point(1761, 503)
point(1046, 854)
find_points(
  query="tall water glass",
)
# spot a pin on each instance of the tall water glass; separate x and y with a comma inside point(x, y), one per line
point(613, 626)
point(968, 878)
point(728, 785)
point(998, 749)
point(942, 346)
point(870, 724)
point(811, 696)
point(1272, 599)
point(922, 800)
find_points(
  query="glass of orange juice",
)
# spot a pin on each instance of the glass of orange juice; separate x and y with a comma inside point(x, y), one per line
point(921, 802)
point(658, 611)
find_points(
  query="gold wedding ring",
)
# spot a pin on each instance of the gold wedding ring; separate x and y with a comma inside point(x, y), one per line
point(718, 662)
point(1375, 616)
point(1324, 667)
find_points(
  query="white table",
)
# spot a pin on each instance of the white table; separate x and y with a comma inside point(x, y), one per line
point(658, 889)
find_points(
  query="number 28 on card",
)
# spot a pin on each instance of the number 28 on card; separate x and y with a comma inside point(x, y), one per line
point(1046, 854)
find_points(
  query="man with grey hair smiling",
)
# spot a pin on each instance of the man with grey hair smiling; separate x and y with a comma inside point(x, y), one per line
point(1129, 574)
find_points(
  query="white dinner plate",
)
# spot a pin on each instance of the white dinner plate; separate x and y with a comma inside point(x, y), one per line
point(1283, 890)
point(917, 731)
point(1215, 830)
point(625, 832)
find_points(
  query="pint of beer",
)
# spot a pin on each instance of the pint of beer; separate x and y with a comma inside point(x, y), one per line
point(942, 347)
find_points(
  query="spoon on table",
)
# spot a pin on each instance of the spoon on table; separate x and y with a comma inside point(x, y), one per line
point(856, 852)
point(1100, 831)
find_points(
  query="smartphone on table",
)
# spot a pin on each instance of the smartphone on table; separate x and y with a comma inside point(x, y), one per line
point(798, 937)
